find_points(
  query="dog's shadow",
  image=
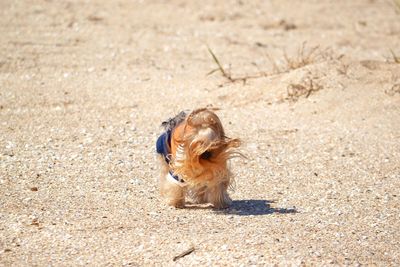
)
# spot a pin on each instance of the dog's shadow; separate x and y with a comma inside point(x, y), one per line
point(254, 207)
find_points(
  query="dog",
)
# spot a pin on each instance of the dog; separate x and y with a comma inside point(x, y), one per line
point(194, 153)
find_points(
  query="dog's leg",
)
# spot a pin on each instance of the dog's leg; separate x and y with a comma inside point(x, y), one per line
point(173, 193)
point(218, 196)
point(199, 195)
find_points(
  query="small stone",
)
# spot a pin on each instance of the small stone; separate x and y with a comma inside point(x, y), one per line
point(135, 181)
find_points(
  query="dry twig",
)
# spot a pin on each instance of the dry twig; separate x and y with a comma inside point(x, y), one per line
point(228, 76)
point(295, 91)
point(184, 253)
point(396, 59)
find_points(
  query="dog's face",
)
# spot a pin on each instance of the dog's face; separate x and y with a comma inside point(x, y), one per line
point(200, 149)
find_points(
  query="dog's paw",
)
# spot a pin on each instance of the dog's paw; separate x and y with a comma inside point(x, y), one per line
point(222, 205)
point(179, 204)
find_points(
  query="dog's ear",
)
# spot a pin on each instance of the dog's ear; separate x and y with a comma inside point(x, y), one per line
point(233, 143)
point(203, 116)
point(199, 110)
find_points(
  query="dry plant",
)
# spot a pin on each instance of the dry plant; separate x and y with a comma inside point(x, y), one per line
point(397, 3)
point(343, 68)
point(228, 75)
point(394, 90)
point(395, 58)
point(305, 88)
point(275, 67)
point(305, 56)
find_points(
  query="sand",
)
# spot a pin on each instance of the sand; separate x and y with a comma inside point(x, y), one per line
point(314, 95)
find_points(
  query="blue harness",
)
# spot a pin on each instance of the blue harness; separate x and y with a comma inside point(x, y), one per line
point(163, 146)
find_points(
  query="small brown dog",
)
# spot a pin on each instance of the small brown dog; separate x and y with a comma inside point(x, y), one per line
point(194, 152)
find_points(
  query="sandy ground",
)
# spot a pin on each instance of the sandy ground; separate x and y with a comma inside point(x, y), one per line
point(84, 86)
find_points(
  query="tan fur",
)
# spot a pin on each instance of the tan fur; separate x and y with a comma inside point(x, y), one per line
point(207, 179)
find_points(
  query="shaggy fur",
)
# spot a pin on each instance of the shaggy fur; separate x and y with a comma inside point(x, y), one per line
point(198, 153)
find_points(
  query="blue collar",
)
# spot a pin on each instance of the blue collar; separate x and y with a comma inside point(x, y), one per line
point(163, 146)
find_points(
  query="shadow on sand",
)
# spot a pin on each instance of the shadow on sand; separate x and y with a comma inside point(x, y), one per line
point(254, 207)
